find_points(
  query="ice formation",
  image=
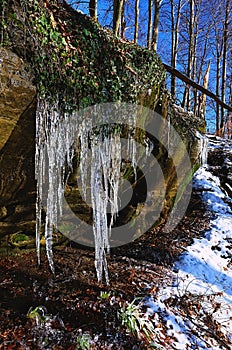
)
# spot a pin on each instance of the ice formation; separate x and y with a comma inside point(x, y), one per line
point(203, 148)
point(56, 139)
point(54, 135)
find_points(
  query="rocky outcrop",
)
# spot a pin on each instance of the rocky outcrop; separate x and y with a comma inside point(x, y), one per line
point(17, 144)
point(16, 92)
point(78, 64)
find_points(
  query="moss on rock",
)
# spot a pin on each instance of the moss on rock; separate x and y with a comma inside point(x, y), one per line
point(75, 60)
point(75, 63)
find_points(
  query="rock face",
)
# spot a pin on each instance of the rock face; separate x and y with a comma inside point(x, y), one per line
point(73, 60)
point(17, 130)
point(17, 92)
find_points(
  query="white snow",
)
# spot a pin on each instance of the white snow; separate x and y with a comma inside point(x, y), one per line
point(203, 276)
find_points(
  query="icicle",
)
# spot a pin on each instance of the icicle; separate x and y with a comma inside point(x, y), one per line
point(105, 176)
point(169, 129)
point(203, 148)
point(99, 205)
point(149, 146)
point(84, 141)
point(56, 136)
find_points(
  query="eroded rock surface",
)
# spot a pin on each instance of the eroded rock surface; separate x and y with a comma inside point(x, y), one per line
point(16, 92)
point(17, 144)
point(116, 71)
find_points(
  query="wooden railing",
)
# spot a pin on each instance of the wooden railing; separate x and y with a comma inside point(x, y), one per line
point(192, 83)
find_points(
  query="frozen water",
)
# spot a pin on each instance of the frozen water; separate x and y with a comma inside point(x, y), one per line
point(53, 141)
point(203, 148)
point(57, 136)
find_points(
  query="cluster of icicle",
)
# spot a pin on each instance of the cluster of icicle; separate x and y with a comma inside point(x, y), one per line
point(203, 148)
point(56, 138)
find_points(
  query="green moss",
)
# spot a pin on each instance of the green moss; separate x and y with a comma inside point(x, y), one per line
point(20, 238)
point(77, 62)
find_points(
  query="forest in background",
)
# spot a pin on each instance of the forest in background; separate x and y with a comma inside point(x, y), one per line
point(192, 36)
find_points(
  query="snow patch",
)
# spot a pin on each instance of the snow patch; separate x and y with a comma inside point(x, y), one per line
point(202, 278)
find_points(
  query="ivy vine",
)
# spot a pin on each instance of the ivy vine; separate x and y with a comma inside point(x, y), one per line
point(75, 60)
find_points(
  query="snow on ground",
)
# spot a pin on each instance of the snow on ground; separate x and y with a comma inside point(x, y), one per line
point(197, 308)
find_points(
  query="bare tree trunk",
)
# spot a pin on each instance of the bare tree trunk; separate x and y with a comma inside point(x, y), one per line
point(194, 58)
point(191, 52)
point(118, 6)
point(136, 32)
point(202, 97)
point(199, 73)
point(123, 21)
point(175, 40)
point(218, 69)
point(230, 98)
point(224, 62)
point(229, 115)
point(203, 58)
point(155, 30)
point(149, 29)
point(93, 8)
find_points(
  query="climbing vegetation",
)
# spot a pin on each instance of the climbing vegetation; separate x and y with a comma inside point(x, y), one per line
point(75, 61)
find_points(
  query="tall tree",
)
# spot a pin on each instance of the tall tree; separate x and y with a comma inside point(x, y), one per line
point(219, 48)
point(117, 15)
point(224, 60)
point(123, 21)
point(93, 8)
point(192, 20)
point(136, 31)
point(155, 29)
point(149, 28)
point(222, 46)
point(175, 23)
point(201, 103)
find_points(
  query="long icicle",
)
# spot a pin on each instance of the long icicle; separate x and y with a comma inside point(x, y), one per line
point(56, 135)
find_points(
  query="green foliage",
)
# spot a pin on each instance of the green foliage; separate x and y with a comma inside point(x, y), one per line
point(137, 323)
point(21, 237)
point(39, 315)
point(104, 295)
point(77, 63)
point(83, 342)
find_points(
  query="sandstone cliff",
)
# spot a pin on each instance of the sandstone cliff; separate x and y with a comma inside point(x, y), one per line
point(51, 51)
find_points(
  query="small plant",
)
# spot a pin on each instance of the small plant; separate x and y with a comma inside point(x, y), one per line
point(104, 295)
point(39, 315)
point(137, 323)
point(83, 342)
